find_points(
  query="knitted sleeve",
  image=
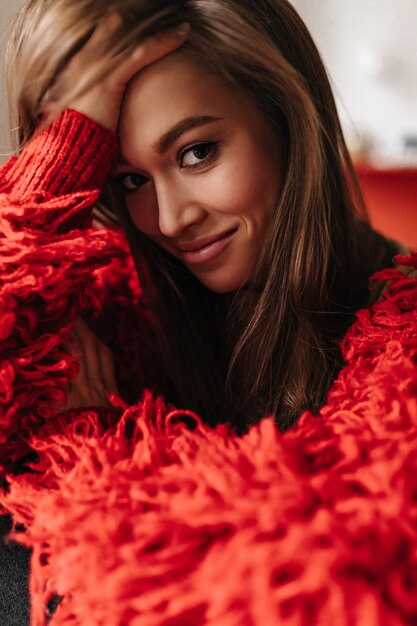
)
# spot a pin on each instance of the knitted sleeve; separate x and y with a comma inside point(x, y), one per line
point(59, 176)
point(55, 267)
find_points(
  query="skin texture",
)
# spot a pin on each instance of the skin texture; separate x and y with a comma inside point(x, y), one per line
point(96, 374)
point(222, 176)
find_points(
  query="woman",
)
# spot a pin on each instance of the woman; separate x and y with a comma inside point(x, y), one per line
point(234, 187)
point(264, 339)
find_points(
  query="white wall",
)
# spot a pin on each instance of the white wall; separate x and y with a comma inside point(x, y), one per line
point(370, 50)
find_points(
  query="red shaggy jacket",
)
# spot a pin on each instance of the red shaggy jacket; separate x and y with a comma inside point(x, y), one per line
point(145, 516)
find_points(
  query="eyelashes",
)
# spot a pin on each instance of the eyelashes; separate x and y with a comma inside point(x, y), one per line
point(200, 151)
point(191, 157)
point(131, 182)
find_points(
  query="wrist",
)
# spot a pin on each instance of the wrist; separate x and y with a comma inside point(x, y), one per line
point(107, 120)
point(75, 153)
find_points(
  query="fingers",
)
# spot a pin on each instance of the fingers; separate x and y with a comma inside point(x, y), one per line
point(96, 376)
point(151, 51)
point(102, 102)
point(86, 343)
point(147, 52)
point(97, 360)
point(105, 29)
point(108, 373)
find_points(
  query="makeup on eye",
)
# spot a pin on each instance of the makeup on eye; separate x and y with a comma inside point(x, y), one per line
point(131, 182)
point(202, 151)
point(201, 147)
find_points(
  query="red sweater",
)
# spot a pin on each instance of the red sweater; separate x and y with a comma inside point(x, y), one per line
point(151, 518)
point(55, 267)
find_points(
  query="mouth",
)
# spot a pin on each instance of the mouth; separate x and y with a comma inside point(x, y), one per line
point(205, 250)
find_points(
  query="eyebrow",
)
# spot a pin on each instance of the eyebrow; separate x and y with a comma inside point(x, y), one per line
point(165, 142)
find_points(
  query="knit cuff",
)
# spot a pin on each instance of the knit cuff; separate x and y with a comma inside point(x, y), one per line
point(73, 154)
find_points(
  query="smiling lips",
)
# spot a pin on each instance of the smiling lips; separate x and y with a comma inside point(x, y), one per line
point(204, 250)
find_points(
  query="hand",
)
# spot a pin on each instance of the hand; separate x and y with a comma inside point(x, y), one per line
point(103, 101)
point(96, 375)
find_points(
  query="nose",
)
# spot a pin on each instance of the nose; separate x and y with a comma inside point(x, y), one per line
point(177, 210)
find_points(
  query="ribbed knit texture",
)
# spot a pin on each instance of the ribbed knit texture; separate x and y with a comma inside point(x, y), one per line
point(74, 154)
point(53, 269)
point(144, 516)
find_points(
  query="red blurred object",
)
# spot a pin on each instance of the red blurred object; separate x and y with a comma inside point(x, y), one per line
point(391, 198)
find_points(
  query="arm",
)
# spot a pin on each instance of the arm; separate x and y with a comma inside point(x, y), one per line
point(46, 193)
point(71, 156)
point(48, 265)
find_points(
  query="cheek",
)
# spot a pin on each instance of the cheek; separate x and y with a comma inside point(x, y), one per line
point(243, 187)
point(218, 190)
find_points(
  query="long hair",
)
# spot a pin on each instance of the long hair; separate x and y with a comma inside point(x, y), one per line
point(271, 351)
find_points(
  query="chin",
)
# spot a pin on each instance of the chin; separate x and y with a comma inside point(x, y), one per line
point(224, 284)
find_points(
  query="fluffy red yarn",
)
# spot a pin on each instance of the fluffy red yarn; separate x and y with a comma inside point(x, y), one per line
point(53, 268)
point(152, 518)
point(164, 521)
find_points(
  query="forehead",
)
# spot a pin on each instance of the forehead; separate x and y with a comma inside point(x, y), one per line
point(174, 87)
point(177, 87)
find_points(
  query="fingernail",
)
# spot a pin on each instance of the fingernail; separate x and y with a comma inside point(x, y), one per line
point(183, 29)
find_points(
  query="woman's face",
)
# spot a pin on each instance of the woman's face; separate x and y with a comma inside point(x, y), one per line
point(201, 168)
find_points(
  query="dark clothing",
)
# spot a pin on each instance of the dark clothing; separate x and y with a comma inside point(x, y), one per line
point(14, 579)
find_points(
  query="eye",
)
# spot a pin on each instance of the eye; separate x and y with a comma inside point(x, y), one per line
point(196, 155)
point(131, 182)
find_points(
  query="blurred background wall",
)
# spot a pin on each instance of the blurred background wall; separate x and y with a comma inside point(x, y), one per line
point(8, 9)
point(370, 50)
